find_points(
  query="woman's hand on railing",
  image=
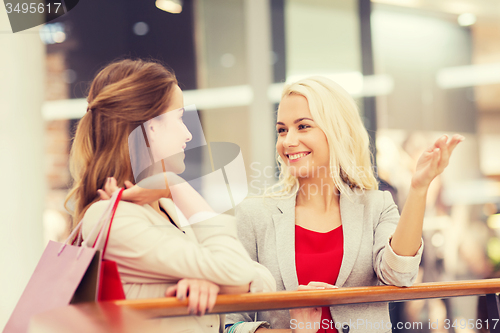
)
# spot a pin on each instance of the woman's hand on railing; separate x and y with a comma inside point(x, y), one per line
point(304, 320)
point(202, 294)
point(314, 285)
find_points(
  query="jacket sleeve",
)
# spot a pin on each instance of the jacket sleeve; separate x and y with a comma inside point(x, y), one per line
point(247, 322)
point(163, 252)
point(263, 280)
point(392, 269)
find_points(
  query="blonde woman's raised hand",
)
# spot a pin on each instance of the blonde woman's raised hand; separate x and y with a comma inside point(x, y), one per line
point(434, 160)
point(202, 294)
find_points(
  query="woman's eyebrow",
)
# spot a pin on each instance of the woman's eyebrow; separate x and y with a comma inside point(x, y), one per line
point(300, 119)
point(296, 121)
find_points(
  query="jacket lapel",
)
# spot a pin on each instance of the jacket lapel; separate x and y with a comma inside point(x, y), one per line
point(351, 214)
point(284, 226)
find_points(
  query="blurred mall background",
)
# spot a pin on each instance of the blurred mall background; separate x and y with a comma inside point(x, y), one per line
point(417, 68)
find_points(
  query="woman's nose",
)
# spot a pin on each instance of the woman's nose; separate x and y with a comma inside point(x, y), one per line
point(189, 136)
point(291, 139)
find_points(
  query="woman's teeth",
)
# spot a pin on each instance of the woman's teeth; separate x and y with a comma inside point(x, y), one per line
point(297, 156)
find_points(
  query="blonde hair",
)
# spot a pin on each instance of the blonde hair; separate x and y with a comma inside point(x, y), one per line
point(336, 114)
point(123, 96)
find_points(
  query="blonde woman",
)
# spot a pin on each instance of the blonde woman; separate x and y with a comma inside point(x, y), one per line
point(155, 254)
point(326, 224)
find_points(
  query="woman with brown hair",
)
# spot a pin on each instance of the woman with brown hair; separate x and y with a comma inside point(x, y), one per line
point(150, 242)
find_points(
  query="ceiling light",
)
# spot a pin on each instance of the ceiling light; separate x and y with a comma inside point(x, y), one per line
point(403, 3)
point(468, 76)
point(171, 6)
point(466, 19)
point(53, 33)
point(140, 28)
point(494, 221)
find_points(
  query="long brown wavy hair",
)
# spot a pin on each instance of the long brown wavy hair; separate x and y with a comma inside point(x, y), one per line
point(122, 96)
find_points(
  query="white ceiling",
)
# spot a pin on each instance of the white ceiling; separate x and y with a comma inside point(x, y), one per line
point(483, 9)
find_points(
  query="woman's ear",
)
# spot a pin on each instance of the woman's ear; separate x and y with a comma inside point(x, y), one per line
point(151, 129)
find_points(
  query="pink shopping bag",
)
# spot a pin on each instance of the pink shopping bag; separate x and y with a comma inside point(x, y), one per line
point(65, 274)
point(54, 283)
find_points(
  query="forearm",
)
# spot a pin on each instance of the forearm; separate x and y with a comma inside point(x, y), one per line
point(242, 289)
point(407, 237)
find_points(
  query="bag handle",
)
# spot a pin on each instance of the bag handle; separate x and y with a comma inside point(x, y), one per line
point(101, 223)
point(111, 209)
point(98, 238)
point(78, 229)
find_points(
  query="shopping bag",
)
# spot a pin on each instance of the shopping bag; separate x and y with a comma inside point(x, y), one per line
point(110, 285)
point(54, 283)
point(66, 273)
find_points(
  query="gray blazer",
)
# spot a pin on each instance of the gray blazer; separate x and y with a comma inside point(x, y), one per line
point(266, 227)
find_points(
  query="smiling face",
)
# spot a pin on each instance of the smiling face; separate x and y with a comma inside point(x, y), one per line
point(301, 144)
point(168, 135)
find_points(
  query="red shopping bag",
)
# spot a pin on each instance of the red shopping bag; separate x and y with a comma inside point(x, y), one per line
point(66, 273)
point(110, 284)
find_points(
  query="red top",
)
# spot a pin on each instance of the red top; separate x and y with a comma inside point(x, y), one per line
point(318, 257)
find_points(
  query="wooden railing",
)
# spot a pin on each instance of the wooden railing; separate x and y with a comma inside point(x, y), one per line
point(130, 315)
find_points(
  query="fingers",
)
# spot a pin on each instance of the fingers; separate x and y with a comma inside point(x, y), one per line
point(202, 300)
point(103, 195)
point(321, 285)
point(171, 291)
point(194, 296)
point(202, 294)
point(182, 288)
point(446, 148)
point(444, 151)
point(110, 186)
point(302, 287)
point(455, 140)
point(317, 285)
point(212, 297)
point(128, 184)
point(207, 296)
